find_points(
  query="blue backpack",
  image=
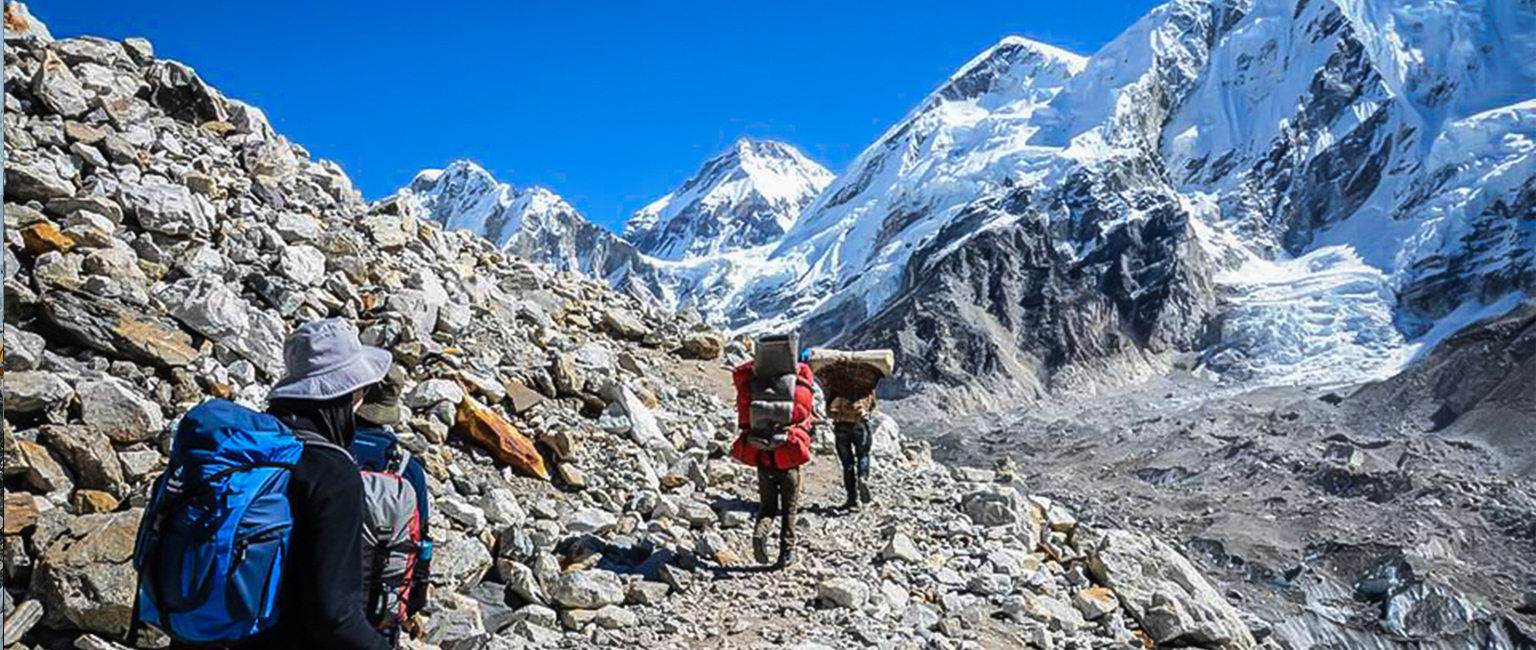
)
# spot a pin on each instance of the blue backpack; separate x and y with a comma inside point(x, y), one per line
point(211, 546)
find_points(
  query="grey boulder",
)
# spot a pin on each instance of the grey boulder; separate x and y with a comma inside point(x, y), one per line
point(843, 592)
point(88, 453)
point(592, 589)
point(58, 88)
point(1163, 591)
point(460, 561)
point(36, 177)
point(85, 578)
point(209, 307)
point(111, 405)
point(34, 392)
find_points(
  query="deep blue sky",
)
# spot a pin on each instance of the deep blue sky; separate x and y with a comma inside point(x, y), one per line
point(609, 105)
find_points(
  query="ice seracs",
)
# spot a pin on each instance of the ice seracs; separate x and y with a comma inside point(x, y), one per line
point(1401, 134)
point(1313, 320)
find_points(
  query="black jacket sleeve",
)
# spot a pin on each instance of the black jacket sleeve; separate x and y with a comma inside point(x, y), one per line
point(327, 553)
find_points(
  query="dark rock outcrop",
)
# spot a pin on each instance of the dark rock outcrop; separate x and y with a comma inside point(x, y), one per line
point(1478, 385)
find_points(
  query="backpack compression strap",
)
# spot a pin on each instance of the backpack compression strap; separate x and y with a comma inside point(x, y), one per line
point(378, 597)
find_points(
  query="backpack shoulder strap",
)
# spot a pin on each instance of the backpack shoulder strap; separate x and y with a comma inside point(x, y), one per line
point(312, 439)
point(404, 461)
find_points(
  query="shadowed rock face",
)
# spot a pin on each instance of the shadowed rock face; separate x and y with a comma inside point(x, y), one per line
point(575, 244)
point(1010, 303)
point(1478, 385)
point(1292, 184)
point(1494, 258)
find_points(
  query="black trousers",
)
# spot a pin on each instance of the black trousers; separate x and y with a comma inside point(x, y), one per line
point(853, 443)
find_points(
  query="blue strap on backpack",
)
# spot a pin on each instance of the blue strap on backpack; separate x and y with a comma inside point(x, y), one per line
point(211, 547)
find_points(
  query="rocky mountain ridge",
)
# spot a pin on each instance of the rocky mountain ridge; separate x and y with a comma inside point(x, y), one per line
point(684, 250)
point(161, 240)
point(533, 223)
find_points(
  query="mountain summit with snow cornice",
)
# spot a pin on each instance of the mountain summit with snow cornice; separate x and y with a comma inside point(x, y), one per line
point(745, 197)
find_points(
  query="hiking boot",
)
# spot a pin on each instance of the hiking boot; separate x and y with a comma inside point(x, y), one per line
point(853, 501)
point(760, 549)
point(864, 493)
point(787, 558)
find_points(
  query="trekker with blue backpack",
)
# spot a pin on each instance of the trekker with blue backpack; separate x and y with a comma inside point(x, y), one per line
point(397, 547)
point(251, 536)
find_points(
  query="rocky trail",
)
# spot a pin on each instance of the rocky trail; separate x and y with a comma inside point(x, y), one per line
point(849, 557)
point(160, 241)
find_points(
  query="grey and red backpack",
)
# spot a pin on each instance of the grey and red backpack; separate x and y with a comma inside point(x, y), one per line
point(396, 549)
point(775, 405)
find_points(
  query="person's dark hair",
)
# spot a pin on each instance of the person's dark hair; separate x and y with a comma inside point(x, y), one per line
point(333, 419)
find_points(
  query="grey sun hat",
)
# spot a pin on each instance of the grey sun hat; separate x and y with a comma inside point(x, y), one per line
point(325, 360)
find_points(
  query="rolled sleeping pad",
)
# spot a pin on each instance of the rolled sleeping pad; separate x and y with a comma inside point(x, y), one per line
point(883, 361)
point(776, 355)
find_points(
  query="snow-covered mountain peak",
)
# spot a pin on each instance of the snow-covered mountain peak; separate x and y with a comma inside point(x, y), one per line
point(744, 197)
point(425, 177)
point(464, 196)
point(779, 171)
point(1044, 49)
point(970, 135)
point(462, 169)
point(1014, 49)
point(543, 199)
point(1001, 73)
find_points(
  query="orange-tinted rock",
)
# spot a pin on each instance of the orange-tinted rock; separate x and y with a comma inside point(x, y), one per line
point(20, 513)
point(88, 502)
point(485, 428)
point(221, 390)
point(45, 237)
point(154, 340)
